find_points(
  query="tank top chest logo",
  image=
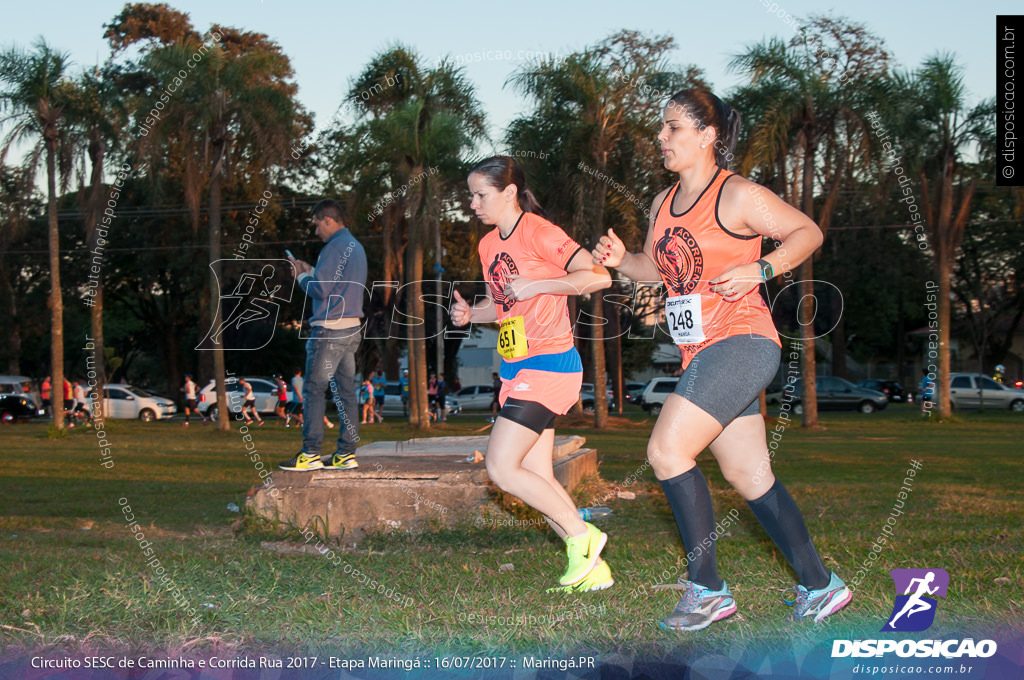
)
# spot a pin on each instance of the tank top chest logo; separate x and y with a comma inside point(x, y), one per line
point(679, 260)
point(499, 272)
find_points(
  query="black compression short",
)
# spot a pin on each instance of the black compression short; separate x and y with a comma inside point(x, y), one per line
point(530, 414)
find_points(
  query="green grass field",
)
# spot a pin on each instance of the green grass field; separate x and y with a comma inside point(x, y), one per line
point(74, 578)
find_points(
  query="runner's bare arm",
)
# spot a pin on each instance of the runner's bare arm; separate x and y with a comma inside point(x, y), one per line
point(482, 312)
point(611, 251)
point(582, 277)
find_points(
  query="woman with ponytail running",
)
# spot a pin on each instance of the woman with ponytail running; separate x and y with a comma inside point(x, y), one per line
point(530, 266)
point(704, 243)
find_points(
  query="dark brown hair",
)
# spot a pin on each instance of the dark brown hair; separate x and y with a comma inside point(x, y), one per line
point(329, 208)
point(707, 110)
point(501, 171)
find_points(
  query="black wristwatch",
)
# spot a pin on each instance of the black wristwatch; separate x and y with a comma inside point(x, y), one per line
point(766, 269)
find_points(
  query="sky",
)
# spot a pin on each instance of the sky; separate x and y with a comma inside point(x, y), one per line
point(329, 42)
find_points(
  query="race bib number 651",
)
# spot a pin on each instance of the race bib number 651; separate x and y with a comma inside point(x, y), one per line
point(512, 338)
point(683, 316)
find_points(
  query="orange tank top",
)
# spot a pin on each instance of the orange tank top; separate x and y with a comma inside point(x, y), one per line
point(690, 250)
point(536, 249)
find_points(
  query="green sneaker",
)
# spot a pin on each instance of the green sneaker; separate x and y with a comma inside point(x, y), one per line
point(302, 462)
point(583, 552)
point(598, 579)
point(342, 461)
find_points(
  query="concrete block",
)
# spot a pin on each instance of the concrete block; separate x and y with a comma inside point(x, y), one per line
point(414, 485)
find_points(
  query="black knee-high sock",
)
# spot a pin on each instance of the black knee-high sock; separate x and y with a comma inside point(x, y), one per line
point(781, 518)
point(690, 498)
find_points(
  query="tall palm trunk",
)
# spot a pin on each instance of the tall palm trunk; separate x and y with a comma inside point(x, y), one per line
point(56, 300)
point(808, 304)
point(946, 232)
point(614, 360)
point(418, 405)
point(391, 273)
point(416, 331)
point(216, 178)
point(597, 307)
point(97, 153)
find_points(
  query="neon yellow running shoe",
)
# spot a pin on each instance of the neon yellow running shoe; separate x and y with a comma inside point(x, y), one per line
point(583, 552)
point(598, 579)
point(302, 462)
point(341, 461)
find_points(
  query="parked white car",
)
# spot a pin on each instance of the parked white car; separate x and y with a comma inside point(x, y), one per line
point(476, 397)
point(654, 395)
point(264, 388)
point(127, 401)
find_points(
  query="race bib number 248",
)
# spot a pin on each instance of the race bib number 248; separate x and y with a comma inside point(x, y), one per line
point(683, 316)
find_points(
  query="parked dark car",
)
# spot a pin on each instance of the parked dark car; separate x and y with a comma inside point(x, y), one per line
point(889, 388)
point(15, 407)
point(834, 394)
point(634, 390)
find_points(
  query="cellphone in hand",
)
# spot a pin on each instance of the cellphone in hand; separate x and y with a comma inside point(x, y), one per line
point(289, 254)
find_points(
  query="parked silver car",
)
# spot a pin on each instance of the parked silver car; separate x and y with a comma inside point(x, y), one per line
point(973, 390)
point(476, 397)
point(393, 401)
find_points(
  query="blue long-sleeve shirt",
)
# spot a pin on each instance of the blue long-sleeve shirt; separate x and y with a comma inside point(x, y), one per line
point(338, 281)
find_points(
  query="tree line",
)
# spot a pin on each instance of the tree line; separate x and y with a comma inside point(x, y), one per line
point(193, 130)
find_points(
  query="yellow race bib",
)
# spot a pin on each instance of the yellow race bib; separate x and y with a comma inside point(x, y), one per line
point(512, 338)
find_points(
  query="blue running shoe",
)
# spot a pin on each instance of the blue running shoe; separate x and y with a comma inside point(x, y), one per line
point(699, 607)
point(820, 603)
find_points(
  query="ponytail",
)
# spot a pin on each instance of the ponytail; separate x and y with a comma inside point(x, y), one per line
point(729, 134)
point(502, 171)
point(528, 202)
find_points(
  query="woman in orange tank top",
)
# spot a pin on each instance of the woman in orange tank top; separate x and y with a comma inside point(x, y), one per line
point(704, 244)
point(531, 265)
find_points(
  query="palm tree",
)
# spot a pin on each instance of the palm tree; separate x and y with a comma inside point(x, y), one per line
point(938, 130)
point(805, 94)
point(412, 135)
point(594, 97)
point(235, 114)
point(34, 94)
point(97, 117)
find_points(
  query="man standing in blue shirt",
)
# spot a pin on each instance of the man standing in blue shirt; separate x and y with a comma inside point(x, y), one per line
point(335, 287)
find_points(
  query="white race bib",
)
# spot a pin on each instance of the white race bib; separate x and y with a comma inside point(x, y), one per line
point(683, 316)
